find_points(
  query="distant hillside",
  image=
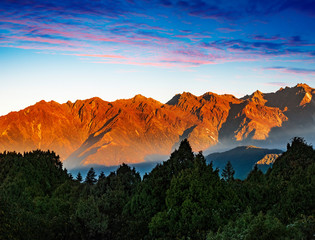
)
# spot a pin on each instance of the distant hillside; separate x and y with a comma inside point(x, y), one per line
point(142, 129)
point(242, 158)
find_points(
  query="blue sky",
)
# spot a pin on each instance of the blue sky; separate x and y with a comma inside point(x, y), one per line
point(69, 50)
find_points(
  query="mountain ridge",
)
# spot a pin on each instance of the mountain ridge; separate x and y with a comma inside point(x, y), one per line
point(94, 131)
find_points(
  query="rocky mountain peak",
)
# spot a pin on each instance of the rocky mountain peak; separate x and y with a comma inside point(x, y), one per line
point(139, 97)
point(257, 97)
point(290, 98)
point(304, 86)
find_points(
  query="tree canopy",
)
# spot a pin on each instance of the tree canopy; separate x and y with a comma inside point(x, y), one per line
point(181, 198)
point(228, 172)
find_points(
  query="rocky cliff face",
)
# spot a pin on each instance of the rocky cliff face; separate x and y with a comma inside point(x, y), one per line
point(268, 159)
point(94, 131)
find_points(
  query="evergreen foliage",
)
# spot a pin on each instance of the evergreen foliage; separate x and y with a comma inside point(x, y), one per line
point(249, 226)
point(101, 176)
point(181, 198)
point(228, 172)
point(91, 177)
point(79, 177)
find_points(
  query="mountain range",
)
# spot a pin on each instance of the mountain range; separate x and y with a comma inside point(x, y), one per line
point(139, 129)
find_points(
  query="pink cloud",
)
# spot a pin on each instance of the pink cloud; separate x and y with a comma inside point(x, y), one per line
point(192, 37)
point(263, 38)
point(277, 84)
point(142, 15)
point(296, 71)
point(187, 61)
point(150, 64)
point(193, 53)
point(100, 56)
point(43, 40)
point(21, 22)
point(58, 32)
point(227, 30)
point(44, 48)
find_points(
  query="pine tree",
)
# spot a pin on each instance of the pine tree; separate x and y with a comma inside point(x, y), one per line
point(256, 175)
point(101, 176)
point(79, 177)
point(228, 172)
point(90, 177)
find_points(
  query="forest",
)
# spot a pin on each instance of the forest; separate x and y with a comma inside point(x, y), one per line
point(181, 198)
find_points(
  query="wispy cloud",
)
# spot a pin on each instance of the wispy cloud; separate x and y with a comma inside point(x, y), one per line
point(266, 38)
point(99, 55)
point(278, 84)
point(140, 30)
point(227, 30)
point(265, 46)
point(303, 71)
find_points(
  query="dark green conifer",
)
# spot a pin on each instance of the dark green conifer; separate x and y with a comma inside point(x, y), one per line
point(228, 172)
point(101, 176)
point(90, 177)
point(79, 177)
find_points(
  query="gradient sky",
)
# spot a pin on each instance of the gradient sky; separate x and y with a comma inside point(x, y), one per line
point(69, 50)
